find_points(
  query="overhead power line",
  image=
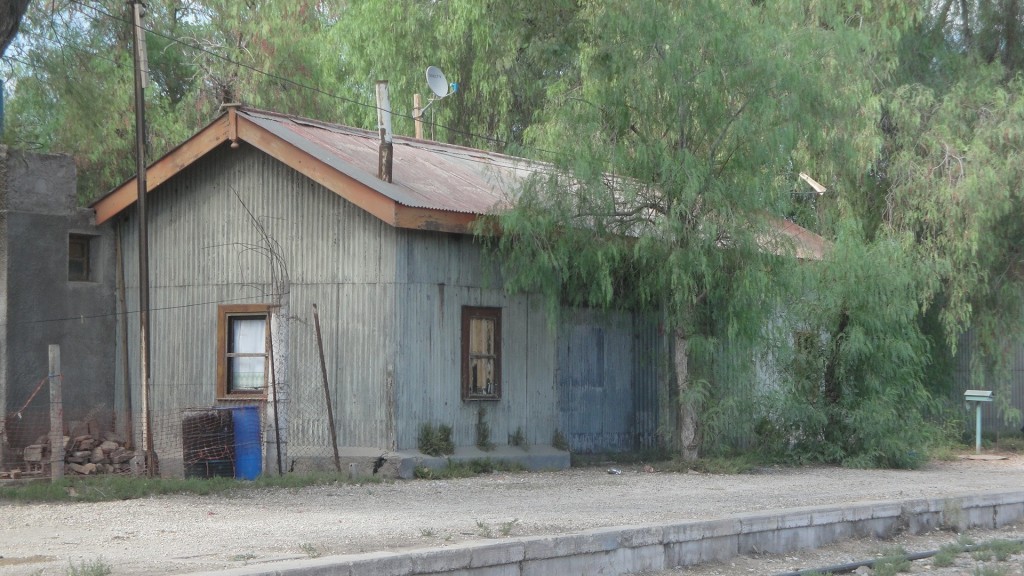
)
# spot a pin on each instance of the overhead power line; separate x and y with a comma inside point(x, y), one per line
point(84, 317)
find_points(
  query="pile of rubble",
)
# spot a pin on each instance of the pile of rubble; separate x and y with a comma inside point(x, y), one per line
point(85, 454)
point(88, 455)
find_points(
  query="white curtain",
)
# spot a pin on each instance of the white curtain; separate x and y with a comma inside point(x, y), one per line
point(248, 336)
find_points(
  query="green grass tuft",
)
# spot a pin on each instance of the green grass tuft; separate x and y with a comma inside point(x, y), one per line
point(893, 561)
point(310, 550)
point(483, 431)
point(91, 568)
point(435, 441)
point(466, 469)
point(559, 441)
point(947, 555)
point(108, 488)
point(518, 439)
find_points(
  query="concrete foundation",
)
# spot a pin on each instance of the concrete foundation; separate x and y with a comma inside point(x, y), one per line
point(534, 458)
point(359, 462)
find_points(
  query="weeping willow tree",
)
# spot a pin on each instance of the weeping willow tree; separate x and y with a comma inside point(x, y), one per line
point(674, 140)
point(503, 54)
point(950, 175)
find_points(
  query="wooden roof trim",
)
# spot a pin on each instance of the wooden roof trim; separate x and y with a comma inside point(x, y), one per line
point(320, 172)
point(163, 169)
point(436, 220)
point(235, 127)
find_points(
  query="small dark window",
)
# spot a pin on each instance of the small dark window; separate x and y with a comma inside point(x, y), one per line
point(481, 353)
point(78, 258)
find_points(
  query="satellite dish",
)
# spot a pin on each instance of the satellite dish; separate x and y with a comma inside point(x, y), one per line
point(437, 82)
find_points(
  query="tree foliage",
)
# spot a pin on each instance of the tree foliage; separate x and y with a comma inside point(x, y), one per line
point(74, 75)
point(10, 19)
point(502, 55)
point(685, 121)
point(856, 392)
point(950, 174)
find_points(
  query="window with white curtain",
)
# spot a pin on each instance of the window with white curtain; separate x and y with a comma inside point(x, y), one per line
point(242, 342)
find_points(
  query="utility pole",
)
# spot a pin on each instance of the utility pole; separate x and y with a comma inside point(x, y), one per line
point(141, 68)
point(417, 115)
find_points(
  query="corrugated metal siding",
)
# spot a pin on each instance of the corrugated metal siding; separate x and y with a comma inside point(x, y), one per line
point(390, 304)
point(205, 250)
point(1011, 382)
point(438, 275)
point(738, 384)
point(608, 367)
point(650, 368)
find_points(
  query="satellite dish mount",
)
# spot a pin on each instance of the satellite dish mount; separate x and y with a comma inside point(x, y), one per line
point(439, 86)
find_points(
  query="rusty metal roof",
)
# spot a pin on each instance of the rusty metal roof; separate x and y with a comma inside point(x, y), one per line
point(425, 174)
point(451, 183)
point(440, 176)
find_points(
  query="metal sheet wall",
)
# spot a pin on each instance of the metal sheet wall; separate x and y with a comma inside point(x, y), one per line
point(390, 304)
point(608, 381)
point(206, 249)
point(438, 275)
point(1011, 382)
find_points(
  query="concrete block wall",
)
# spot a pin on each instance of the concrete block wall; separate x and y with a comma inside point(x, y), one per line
point(626, 549)
point(40, 305)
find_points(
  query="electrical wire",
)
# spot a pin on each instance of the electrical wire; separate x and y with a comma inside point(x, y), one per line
point(84, 317)
point(61, 42)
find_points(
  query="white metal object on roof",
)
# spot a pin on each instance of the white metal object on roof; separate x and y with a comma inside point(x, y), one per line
point(818, 187)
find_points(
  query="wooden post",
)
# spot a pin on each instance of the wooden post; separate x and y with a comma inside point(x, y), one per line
point(327, 390)
point(417, 115)
point(127, 424)
point(139, 52)
point(56, 417)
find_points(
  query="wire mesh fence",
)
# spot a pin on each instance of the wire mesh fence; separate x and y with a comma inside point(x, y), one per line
point(239, 440)
point(287, 431)
point(87, 444)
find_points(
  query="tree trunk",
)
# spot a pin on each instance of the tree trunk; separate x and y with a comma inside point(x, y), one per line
point(10, 19)
point(687, 425)
point(833, 389)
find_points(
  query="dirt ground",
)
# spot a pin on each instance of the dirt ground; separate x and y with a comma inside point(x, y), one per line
point(181, 534)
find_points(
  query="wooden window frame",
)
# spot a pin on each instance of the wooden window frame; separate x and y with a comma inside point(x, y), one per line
point(225, 313)
point(85, 241)
point(494, 314)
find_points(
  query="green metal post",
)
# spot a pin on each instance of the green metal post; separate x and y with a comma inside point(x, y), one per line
point(977, 428)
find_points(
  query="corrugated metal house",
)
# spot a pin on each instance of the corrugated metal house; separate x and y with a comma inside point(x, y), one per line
point(259, 216)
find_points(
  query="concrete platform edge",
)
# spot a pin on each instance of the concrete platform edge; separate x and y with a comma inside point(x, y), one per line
point(624, 549)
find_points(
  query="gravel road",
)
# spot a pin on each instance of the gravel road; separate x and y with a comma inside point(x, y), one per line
point(180, 534)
